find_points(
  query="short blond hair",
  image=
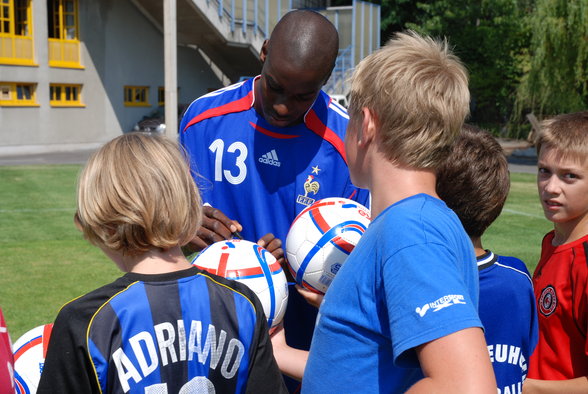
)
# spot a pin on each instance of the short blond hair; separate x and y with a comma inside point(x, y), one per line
point(137, 193)
point(567, 134)
point(419, 93)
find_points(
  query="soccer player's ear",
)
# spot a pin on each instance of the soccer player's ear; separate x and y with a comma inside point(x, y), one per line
point(263, 51)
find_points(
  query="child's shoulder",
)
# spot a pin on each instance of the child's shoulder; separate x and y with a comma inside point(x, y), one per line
point(514, 264)
point(506, 279)
point(85, 306)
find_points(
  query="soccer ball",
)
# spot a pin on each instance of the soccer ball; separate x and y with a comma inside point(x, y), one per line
point(252, 265)
point(320, 239)
point(29, 357)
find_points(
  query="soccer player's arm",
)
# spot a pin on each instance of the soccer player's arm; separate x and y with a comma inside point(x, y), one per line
point(66, 369)
point(457, 362)
point(264, 374)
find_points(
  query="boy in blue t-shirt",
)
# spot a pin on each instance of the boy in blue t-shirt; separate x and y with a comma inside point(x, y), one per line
point(402, 311)
point(474, 182)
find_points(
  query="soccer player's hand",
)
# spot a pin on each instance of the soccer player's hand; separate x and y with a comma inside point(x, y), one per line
point(314, 299)
point(274, 246)
point(216, 226)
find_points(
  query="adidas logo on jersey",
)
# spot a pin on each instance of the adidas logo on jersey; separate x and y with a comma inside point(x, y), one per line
point(270, 158)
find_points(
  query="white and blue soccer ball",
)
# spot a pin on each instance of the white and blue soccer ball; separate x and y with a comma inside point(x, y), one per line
point(252, 265)
point(29, 358)
point(320, 239)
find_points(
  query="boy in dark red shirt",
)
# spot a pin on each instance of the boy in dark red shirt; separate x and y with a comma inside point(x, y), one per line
point(560, 361)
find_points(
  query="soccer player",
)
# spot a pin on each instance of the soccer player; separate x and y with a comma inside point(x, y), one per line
point(165, 326)
point(560, 361)
point(401, 314)
point(474, 182)
point(268, 147)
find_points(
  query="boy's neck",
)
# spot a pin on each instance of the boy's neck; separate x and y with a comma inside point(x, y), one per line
point(570, 231)
point(478, 248)
point(155, 261)
point(391, 183)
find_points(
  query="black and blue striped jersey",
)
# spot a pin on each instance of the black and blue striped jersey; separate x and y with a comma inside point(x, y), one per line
point(180, 332)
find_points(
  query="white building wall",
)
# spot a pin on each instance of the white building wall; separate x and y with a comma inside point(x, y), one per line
point(119, 47)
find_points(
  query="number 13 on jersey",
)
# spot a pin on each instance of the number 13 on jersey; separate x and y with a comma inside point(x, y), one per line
point(218, 148)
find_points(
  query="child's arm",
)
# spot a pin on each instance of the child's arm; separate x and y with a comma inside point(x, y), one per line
point(290, 361)
point(458, 362)
point(571, 386)
point(311, 297)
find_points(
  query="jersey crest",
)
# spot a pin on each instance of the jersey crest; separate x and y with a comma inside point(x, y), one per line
point(547, 301)
point(310, 186)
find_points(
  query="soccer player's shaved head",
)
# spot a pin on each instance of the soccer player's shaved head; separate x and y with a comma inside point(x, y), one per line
point(305, 39)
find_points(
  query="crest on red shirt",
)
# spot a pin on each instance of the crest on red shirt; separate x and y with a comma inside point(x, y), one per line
point(547, 301)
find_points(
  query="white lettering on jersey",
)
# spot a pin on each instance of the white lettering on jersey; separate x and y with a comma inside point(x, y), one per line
point(147, 340)
point(503, 353)
point(125, 369)
point(441, 303)
point(234, 346)
point(214, 348)
point(270, 158)
point(166, 341)
point(515, 388)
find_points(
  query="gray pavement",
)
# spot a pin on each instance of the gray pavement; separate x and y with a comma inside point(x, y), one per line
point(521, 157)
point(69, 157)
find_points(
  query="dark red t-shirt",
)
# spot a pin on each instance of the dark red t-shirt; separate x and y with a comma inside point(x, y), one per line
point(6, 359)
point(561, 289)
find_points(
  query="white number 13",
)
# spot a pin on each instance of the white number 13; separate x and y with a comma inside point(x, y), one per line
point(218, 147)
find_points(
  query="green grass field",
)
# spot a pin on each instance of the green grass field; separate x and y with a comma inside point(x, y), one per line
point(46, 262)
point(521, 226)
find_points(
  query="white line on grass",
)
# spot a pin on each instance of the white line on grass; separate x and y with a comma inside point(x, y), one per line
point(523, 213)
point(36, 210)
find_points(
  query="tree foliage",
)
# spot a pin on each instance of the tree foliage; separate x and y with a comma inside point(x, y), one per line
point(490, 37)
point(556, 78)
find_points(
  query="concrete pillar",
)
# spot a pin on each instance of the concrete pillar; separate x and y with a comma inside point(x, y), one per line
point(170, 67)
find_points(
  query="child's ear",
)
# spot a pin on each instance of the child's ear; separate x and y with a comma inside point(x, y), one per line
point(368, 125)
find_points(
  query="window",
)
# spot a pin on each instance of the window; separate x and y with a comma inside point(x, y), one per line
point(64, 44)
point(137, 96)
point(18, 94)
point(16, 37)
point(65, 95)
point(161, 96)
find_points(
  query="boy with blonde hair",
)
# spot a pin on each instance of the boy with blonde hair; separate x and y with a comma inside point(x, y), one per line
point(401, 314)
point(560, 361)
point(164, 326)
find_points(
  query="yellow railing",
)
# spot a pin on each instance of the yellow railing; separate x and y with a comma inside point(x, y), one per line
point(16, 50)
point(64, 53)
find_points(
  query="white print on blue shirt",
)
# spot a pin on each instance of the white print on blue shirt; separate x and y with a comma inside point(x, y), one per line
point(205, 343)
point(443, 302)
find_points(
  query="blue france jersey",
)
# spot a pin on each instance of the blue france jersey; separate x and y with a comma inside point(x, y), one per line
point(508, 312)
point(261, 175)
